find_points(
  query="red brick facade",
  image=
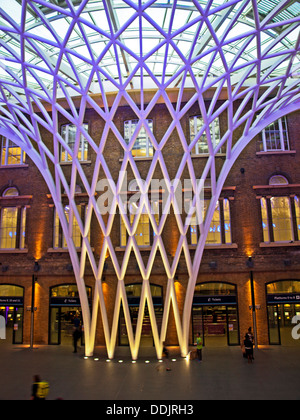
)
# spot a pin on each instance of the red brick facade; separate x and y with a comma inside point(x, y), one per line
point(246, 183)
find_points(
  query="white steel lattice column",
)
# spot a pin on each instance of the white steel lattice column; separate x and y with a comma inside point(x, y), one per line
point(82, 51)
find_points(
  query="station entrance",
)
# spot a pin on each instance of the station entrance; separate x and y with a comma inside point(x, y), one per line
point(215, 314)
point(12, 310)
point(283, 300)
point(133, 292)
point(64, 308)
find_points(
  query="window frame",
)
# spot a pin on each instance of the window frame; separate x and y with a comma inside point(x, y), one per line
point(267, 212)
point(194, 230)
point(294, 216)
point(19, 228)
point(212, 127)
point(123, 231)
point(4, 149)
point(283, 137)
point(59, 240)
point(149, 146)
point(84, 145)
point(4, 240)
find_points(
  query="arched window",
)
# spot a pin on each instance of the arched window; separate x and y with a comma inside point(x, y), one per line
point(278, 180)
point(215, 289)
point(10, 192)
point(284, 287)
point(10, 290)
point(68, 290)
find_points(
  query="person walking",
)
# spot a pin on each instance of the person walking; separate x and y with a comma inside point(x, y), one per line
point(250, 335)
point(199, 347)
point(251, 338)
point(248, 348)
point(76, 332)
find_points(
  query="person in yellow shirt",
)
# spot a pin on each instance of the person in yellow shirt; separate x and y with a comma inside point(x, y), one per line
point(199, 347)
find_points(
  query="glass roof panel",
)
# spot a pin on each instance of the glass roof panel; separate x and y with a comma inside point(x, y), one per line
point(193, 31)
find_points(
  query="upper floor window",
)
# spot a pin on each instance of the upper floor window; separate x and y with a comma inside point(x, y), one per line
point(59, 237)
point(144, 232)
point(275, 137)
point(142, 146)
point(68, 133)
point(220, 227)
point(201, 147)
point(11, 154)
point(12, 223)
point(277, 212)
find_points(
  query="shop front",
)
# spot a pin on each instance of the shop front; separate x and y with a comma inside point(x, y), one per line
point(133, 292)
point(64, 307)
point(215, 314)
point(283, 301)
point(12, 310)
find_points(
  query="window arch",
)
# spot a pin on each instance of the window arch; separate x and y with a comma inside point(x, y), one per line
point(68, 290)
point(10, 192)
point(283, 286)
point(11, 290)
point(215, 288)
point(278, 180)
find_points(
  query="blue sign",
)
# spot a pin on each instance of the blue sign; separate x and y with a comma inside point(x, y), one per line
point(11, 301)
point(215, 300)
point(65, 301)
point(284, 298)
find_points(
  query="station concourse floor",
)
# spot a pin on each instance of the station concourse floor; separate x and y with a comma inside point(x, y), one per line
point(222, 375)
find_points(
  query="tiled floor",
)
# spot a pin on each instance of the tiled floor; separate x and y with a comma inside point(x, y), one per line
point(223, 374)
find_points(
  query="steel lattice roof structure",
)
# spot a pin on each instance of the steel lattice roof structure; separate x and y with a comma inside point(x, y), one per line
point(61, 57)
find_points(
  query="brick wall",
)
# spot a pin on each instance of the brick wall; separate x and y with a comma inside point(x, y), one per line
point(269, 263)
